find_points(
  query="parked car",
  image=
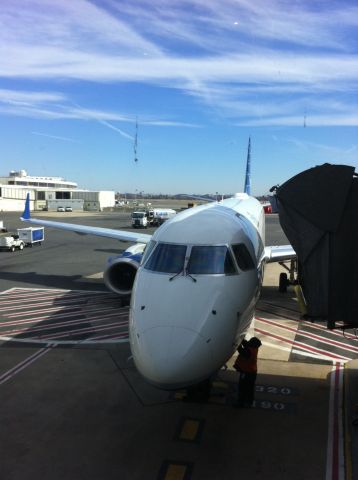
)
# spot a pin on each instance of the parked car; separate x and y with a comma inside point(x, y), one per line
point(68, 209)
point(60, 209)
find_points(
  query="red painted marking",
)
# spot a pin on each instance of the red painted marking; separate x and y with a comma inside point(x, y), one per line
point(64, 296)
point(51, 326)
point(59, 304)
point(335, 449)
point(321, 339)
point(79, 331)
point(311, 324)
point(301, 345)
point(61, 313)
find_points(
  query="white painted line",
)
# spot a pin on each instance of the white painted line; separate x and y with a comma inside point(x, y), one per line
point(304, 346)
point(57, 316)
point(26, 289)
point(60, 302)
point(293, 350)
point(52, 326)
point(22, 365)
point(319, 338)
point(108, 336)
point(48, 295)
point(79, 331)
point(5, 292)
point(312, 325)
point(64, 342)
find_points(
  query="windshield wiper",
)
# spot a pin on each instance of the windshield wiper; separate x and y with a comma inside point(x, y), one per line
point(188, 275)
point(172, 278)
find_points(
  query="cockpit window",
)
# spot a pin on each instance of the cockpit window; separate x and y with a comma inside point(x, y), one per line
point(206, 260)
point(243, 257)
point(167, 258)
point(148, 250)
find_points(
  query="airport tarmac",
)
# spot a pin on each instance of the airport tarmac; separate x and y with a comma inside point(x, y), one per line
point(73, 406)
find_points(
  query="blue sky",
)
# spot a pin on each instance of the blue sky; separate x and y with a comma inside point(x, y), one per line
point(201, 76)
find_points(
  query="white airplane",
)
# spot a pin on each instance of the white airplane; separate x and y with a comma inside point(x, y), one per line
point(194, 285)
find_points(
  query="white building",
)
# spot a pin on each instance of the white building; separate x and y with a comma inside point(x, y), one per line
point(48, 193)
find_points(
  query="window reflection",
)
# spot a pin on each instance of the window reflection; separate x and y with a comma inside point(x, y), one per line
point(148, 250)
point(243, 257)
point(167, 258)
point(206, 260)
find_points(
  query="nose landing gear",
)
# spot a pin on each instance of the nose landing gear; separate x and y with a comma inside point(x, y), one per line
point(292, 278)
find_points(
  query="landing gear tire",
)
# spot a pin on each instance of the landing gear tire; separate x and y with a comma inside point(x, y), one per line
point(283, 282)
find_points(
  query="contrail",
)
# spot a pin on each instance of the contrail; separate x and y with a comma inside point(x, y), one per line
point(121, 132)
point(103, 122)
point(65, 139)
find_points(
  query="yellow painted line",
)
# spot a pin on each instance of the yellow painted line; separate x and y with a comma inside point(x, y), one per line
point(175, 472)
point(220, 385)
point(219, 400)
point(189, 430)
point(179, 395)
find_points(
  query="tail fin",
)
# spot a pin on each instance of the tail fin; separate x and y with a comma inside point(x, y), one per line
point(26, 215)
point(247, 187)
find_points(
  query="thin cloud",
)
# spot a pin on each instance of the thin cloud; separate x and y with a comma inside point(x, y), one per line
point(44, 105)
point(29, 97)
point(298, 121)
point(55, 137)
point(226, 58)
point(167, 123)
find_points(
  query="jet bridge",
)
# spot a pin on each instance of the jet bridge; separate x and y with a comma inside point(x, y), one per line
point(318, 211)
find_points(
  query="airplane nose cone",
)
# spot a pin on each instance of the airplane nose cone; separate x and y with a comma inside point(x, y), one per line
point(170, 357)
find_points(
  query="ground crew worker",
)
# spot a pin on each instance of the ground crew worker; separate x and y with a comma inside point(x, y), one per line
point(246, 365)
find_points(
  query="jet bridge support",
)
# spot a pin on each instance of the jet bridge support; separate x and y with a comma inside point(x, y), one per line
point(318, 211)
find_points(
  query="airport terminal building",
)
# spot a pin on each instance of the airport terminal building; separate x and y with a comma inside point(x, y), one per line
point(48, 193)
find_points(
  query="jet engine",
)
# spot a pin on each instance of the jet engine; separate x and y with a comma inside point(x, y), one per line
point(121, 270)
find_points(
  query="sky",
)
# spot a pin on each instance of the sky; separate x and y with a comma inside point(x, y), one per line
point(199, 76)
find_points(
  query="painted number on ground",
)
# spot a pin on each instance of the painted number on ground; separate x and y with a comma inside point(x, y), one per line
point(274, 390)
point(274, 406)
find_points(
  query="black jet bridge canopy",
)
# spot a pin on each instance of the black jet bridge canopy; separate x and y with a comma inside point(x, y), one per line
point(318, 211)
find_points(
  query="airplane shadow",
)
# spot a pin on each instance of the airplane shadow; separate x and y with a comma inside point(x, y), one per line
point(107, 250)
point(71, 282)
point(41, 316)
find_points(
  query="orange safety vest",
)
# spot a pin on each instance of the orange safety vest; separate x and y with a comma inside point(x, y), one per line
point(247, 365)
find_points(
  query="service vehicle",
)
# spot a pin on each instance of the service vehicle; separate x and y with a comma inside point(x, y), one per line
point(140, 219)
point(60, 209)
point(11, 243)
point(68, 209)
point(31, 235)
point(157, 216)
point(2, 228)
point(153, 217)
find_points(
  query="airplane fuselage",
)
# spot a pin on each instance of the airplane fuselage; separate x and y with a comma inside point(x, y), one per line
point(195, 291)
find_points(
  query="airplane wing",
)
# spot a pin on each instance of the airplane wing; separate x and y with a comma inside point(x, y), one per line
point(122, 235)
point(279, 253)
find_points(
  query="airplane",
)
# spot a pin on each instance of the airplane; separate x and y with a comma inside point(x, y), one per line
point(193, 284)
